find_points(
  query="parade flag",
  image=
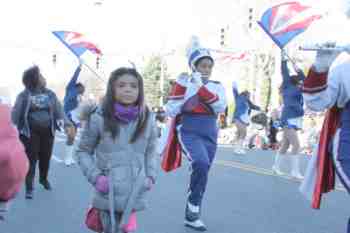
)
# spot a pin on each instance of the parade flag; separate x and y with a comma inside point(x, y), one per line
point(76, 42)
point(285, 21)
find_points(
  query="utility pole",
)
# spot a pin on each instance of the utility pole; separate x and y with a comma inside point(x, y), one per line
point(161, 83)
point(162, 75)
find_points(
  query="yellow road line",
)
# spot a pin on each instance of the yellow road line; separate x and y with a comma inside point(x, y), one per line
point(260, 171)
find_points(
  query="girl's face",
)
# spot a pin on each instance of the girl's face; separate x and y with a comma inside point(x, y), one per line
point(126, 89)
point(205, 67)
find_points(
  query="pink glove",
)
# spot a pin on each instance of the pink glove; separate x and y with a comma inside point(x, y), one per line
point(101, 184)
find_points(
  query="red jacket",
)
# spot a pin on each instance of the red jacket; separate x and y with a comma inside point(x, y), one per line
point(13, 160)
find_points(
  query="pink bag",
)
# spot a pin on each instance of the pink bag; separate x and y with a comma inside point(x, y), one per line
point(93, 221)
point(13, 159)
point(131, 226)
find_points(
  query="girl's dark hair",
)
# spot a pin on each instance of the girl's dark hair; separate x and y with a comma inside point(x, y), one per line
point(111, 123)
point(245, 93)
point(30, 78)
point(295, 79)
point(80, 85)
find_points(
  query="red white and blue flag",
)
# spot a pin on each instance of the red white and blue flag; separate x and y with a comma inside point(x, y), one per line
point(76, 42)
point(285, 21)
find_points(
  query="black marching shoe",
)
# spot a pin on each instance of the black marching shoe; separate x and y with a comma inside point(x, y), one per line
point(46, 184)
point(197, 225)
point(29, 194)
point(192, 220)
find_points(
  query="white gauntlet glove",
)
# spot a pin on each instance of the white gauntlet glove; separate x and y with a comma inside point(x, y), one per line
point(234, 84)
point(197, 79)
point(325, 58)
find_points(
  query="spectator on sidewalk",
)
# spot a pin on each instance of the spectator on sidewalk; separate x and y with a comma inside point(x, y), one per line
point(37, 114)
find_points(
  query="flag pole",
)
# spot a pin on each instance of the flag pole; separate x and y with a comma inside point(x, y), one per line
point(78, 56)
point(291, 60)
point(92, 70)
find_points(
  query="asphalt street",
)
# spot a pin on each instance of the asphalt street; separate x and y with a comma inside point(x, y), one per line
point(243, 196)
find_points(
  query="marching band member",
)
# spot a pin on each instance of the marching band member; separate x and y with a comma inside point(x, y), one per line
point(194, 105)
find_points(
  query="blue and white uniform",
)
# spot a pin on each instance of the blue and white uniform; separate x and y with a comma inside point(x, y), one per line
point(194, 105)
point(243, 107)
point(71, 110)
point(71, 98)
point(331, 91)
point(198, 108)
point(292, 111)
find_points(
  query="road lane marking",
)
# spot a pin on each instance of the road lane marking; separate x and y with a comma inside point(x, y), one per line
point(56, 159)
point(261, 171)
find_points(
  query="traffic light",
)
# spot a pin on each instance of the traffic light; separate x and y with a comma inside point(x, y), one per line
point(97, 63)
point(222, 37)
point(54, 59)
point(250, 18)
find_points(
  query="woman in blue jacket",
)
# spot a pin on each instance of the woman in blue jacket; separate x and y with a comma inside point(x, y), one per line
point(241, 116)
point(291, 117)
point(74, 91)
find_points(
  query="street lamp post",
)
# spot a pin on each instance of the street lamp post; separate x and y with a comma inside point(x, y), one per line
point(161, 83)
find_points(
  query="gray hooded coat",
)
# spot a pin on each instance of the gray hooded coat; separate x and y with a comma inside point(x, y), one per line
point(126, 164)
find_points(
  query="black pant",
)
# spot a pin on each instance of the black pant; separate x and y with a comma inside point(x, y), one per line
point(272, 133)
point(273, 136)
point(38, 147)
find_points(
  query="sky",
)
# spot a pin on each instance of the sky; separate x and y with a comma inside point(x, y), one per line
point(119, 26)
point(131, 25)
point(124, 28)
point(132, 28)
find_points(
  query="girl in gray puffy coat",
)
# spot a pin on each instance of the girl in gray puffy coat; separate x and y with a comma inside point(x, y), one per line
point(122, 133)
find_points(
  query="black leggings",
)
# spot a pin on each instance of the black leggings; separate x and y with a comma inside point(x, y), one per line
point(38, 147)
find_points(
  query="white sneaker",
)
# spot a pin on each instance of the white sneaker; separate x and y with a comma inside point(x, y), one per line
point(197, 225)
point(243, 151)
point(296, 167)
point(297, 176)
point(277, 171)
point(69, 162)
point(276, 165)
point(239, 151)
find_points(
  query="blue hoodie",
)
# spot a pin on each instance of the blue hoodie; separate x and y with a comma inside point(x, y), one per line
point(292, 95)
point(243, 106)
point(71, 98)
